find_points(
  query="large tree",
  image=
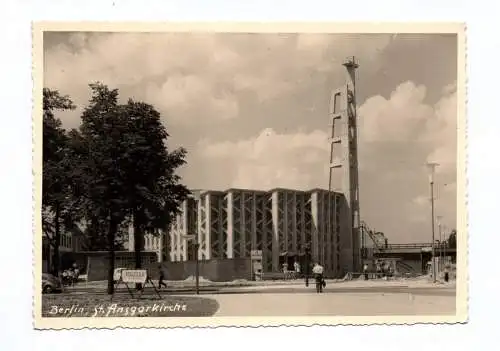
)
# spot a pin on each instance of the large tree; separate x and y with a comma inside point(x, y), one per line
point(154, 188)
point(101, 181)
point(58, 206)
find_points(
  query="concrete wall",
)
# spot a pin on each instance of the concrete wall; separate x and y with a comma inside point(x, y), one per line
point(96, 263)
point(346, 238)
point(216, 270)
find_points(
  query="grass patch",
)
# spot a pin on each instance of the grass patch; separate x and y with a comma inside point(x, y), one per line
point(123, 305)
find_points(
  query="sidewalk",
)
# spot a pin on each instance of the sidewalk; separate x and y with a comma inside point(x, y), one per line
point(189, 283)
point(361, 284)
point(422, 282)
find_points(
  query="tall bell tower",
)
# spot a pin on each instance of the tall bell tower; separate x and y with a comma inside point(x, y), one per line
point(343, 175)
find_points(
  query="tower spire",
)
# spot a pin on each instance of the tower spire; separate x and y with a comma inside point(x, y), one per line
point(343, 175)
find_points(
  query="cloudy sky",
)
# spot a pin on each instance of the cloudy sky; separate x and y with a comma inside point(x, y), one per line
point(252, 109)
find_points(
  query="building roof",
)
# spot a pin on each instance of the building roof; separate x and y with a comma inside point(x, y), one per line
point(198, 192)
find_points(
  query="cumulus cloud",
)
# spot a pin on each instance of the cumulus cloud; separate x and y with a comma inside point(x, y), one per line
point(272, 159)
point(399, 118)
point(398, 135)
point(195, 77)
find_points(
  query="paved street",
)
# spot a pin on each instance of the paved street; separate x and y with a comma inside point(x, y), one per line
point(286, 290)
point(354, 298)
point(292, 298)
point(334, 304)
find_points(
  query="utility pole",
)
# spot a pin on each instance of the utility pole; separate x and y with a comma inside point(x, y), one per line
point(307, 263)
point(432, 167)
point(196, 246)
point(197, 267)
point(439, 218)
point(443, 247)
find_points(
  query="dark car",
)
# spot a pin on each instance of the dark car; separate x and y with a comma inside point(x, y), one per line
point(50, 283)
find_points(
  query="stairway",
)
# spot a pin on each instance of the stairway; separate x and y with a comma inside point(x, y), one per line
point(405, 269)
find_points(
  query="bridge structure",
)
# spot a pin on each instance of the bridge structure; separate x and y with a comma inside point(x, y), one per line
point(412, 257)
point(392, 249)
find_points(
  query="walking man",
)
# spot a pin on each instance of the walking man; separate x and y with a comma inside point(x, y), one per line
point(296, 267)
point(318, 277)
point(365, 271)
point(162, 278)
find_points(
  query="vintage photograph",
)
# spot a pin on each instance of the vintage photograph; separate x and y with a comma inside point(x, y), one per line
point(294, 174)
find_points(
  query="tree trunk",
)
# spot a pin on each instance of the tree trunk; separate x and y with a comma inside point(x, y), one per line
point(111, 247)
point(138, 241)
point(56, 257)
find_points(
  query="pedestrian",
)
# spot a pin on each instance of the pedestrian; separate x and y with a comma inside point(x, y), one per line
point(285, 271)
point(446, 274)
point(296, 267)
point(390, 271)
point(76, 274)
point(365, 271)
point(318, 277)
point(379, 269)
point(162, 278)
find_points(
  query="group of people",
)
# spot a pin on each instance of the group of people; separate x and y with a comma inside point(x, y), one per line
point(382, 270)
point(291, 274)
point(70, 276)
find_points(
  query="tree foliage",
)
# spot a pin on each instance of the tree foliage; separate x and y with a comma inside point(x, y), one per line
point(114, 170)
point(58, 206)
point(154, 189)
point(101, 177)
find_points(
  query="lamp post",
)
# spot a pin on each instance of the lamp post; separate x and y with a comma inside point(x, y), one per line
point(307, 263)
point(196, 246)
point(432, 167)
point(197, 267)
point(439, 218)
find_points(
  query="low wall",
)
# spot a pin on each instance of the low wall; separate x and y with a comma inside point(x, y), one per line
point(216, 270)
point(97, 262)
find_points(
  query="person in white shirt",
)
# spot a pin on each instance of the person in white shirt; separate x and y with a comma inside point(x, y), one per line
point(365, 271)
point(318, 277)
point(296, 266)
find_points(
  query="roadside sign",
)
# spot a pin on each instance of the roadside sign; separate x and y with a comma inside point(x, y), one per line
point(256, 254)
point(134, 276)
point(117, 274)
point(426, 249)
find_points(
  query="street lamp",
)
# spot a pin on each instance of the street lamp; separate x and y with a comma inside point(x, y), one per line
point(439, 218)
point(307, 252)
point(443, 247)
point(196, 246)
point(431, 168)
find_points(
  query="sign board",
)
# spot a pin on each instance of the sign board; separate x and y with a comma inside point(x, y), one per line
point(134, 276)
point(427, 249)
point(117, 274)
point(256, 254)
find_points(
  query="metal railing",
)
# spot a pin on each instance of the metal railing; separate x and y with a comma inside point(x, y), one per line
point(416, 246)
point(408, 246)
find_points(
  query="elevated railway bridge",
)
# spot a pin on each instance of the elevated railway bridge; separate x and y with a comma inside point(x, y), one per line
point(411, 257)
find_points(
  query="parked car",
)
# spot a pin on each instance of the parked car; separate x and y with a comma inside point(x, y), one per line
point(51, 283)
